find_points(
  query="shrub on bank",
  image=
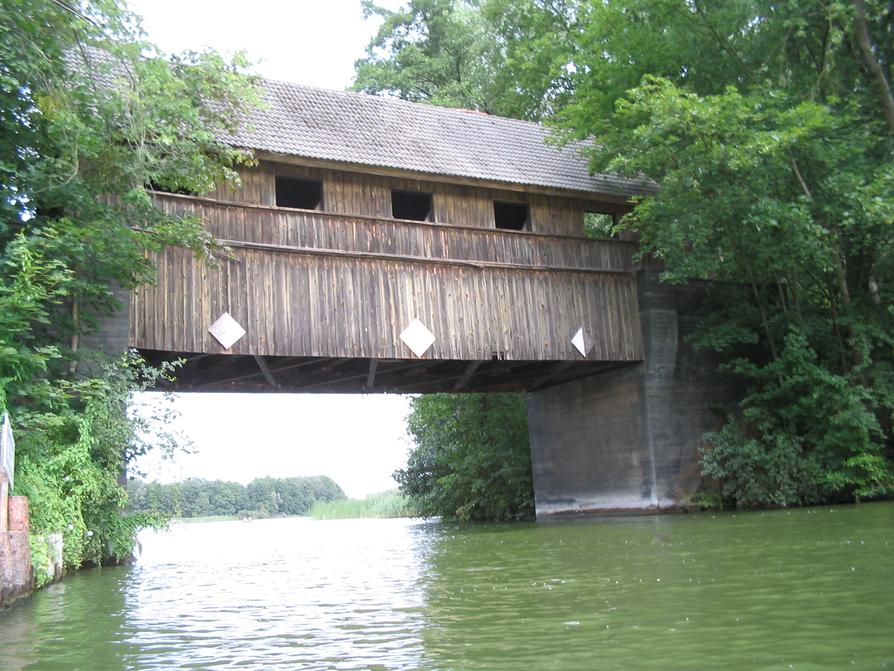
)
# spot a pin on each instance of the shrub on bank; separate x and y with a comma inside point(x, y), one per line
point(471, 459)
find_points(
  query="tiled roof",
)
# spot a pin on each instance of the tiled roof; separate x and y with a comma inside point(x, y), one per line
point(385, 132)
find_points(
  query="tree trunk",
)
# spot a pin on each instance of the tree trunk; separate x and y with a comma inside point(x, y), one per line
point(877, 75)
point(75, 335)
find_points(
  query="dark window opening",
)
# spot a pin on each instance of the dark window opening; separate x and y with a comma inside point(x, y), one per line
point(512, 216)
point(600, 225)
point(304, 194)
point(411, 205)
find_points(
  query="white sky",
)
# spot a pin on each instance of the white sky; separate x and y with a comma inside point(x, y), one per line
point(312, 42)
point(356, 440)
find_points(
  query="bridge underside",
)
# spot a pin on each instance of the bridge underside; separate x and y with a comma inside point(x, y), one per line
point(603, 435)
point(252, 373)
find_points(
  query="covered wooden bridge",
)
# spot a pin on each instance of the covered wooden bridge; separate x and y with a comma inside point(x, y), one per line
point(367, 215)
point(381, 245)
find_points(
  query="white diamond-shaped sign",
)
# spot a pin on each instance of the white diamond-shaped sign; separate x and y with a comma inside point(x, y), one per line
point(417, 337)
point(226, 330)
point(582, 342)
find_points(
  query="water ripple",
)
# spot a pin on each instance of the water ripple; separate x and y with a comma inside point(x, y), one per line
point(809, 589)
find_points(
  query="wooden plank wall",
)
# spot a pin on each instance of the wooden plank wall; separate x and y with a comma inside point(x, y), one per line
point(321, 230)
point(370, 195)
point(305, 304)
point(345, 281)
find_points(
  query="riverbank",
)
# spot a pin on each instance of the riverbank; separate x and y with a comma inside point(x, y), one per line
point(206, 518)
point(229, 518)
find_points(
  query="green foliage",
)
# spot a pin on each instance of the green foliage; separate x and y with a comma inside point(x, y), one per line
point(90, 115)
point(496, 56)
point(471, 459)
point(378, 506)
point(70, 455)
point(600, 225)
point(767, 127)
point(29, 286)
point(40, 560)
point(262, 497)
point(775, 167)
point(804, 435)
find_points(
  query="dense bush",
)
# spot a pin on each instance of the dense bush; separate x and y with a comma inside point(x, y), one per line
point(70, 453)
point(803, 434)
point(471, 458)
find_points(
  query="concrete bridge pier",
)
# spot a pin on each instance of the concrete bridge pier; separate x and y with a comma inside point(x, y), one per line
point(627, 439)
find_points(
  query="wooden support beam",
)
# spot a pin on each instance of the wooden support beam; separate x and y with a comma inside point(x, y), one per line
point(425, 386)
point(265, 370)
point(559, 368)
point(349, 378)
point(467, 375)
point(371, 377)
point(341, 216)
point(197, 357)
point(428, 260)
point(294, 366)
point(248, 376)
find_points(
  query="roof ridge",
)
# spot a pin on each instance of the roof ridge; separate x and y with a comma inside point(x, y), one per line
point(389, 99)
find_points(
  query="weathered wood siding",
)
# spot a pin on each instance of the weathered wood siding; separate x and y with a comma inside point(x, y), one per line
point(370, 195)
point(316, 284)
point(365, 234)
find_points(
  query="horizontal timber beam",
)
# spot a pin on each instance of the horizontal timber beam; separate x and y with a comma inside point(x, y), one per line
point(467, 375)
point(248, 376)
point(242, 372)
point(316, 251)
point(476, 230)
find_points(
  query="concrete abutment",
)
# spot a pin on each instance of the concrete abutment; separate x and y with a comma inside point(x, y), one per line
point(628, 439)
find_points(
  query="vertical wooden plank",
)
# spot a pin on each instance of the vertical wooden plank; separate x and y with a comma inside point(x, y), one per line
point(381, 315)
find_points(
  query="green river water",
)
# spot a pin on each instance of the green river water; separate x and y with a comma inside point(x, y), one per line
point(800, 589)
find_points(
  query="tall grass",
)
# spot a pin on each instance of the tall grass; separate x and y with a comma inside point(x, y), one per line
point(386, 504)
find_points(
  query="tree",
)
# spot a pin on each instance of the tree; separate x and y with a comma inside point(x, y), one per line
point(769, 128)
point(471, 458)
point(768, 134)
point(496, 56)
point(90, 117)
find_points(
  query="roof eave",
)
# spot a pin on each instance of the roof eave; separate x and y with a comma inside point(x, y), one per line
point(621, 199)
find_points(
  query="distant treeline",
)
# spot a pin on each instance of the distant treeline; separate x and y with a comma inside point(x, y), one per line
point(262, 497)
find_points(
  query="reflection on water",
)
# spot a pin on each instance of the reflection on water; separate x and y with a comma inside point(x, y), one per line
point(806, 589)
point(801, 589)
